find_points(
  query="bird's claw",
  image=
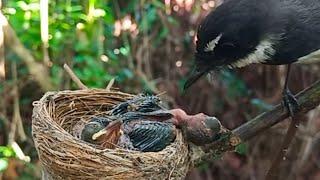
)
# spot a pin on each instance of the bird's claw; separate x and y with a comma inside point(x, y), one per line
point(290, 102)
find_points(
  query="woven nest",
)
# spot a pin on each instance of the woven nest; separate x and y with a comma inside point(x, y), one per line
point(57, 119)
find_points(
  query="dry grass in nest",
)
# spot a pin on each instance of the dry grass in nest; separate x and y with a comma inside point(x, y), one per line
point(58, 118)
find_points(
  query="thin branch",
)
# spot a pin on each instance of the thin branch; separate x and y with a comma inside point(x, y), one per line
point(110, 84)
point(2, 57)
point(74, 77)
point(274, 168)
point(307, 99)
point(16, 124)
point(38, 71)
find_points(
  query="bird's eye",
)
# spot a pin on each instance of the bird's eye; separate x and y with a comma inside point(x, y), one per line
point(228, 45)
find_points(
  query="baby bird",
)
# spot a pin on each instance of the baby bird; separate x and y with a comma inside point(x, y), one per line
point(95, 125)
point(133, 131)
point(140, 103)
point(142, 124)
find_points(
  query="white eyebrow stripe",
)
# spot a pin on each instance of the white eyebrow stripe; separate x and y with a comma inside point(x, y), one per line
point(212, 44)
point(263, 52)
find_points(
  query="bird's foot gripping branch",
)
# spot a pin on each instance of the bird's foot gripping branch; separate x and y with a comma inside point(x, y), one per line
point(308, 99)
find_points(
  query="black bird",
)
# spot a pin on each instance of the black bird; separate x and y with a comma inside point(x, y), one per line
point(136, 124)
point(273, 32)
point(132, 131)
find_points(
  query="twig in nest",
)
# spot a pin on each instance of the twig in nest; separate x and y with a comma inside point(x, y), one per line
point(110, 84)
point(74, 77)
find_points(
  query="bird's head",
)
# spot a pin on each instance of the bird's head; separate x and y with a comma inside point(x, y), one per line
point(92, 128)
point(233, 35)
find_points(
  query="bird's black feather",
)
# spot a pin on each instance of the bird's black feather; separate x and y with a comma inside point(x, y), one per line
point(271, 32)
point(151, 135)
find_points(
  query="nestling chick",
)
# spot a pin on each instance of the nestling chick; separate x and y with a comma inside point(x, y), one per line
point(199, 129)
point(133, 131)
point(95, 125)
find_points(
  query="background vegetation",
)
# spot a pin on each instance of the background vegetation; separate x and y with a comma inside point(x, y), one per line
point(147, 47)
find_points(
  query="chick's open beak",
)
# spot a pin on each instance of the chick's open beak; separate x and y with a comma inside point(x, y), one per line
point(95, 136)
point(108, 131)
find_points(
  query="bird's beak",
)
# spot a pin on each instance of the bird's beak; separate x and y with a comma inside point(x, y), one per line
point(194, 77)
point(100, 133)
point(113, 126)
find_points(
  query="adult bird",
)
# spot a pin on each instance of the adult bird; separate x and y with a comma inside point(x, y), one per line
point(272, 32)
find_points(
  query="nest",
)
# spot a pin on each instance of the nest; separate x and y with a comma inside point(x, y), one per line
point(58, 118)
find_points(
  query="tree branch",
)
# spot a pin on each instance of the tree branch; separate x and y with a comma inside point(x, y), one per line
point(308, 99)
point(37, 70)
point(74, 77)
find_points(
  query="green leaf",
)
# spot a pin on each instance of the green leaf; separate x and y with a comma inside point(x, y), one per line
point(6, 152)
point(124, 51)
point(241, 149)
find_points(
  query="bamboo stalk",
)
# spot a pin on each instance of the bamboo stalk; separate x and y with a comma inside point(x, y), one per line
point(44, 27)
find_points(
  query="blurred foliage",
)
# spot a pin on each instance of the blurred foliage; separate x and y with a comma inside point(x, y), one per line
point(81, 33)
point(5, 154)
point(236, 86)
point(73, 28)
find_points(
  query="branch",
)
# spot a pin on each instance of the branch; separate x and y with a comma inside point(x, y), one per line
point(16, 124)
point(37, 70)
point(74, 77)
point(110, 84)
point(308, 99)
point(2, 54)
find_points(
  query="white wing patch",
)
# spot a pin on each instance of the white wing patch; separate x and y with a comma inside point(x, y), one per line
point(262, 53)
point(313, 57)
point(212, 44)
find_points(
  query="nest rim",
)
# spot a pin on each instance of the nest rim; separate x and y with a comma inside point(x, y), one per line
point(65, 156)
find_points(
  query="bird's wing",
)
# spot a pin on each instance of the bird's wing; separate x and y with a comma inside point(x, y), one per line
point(151, 136)
point(300, 40)
point(160, 115)
point(311, 58)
